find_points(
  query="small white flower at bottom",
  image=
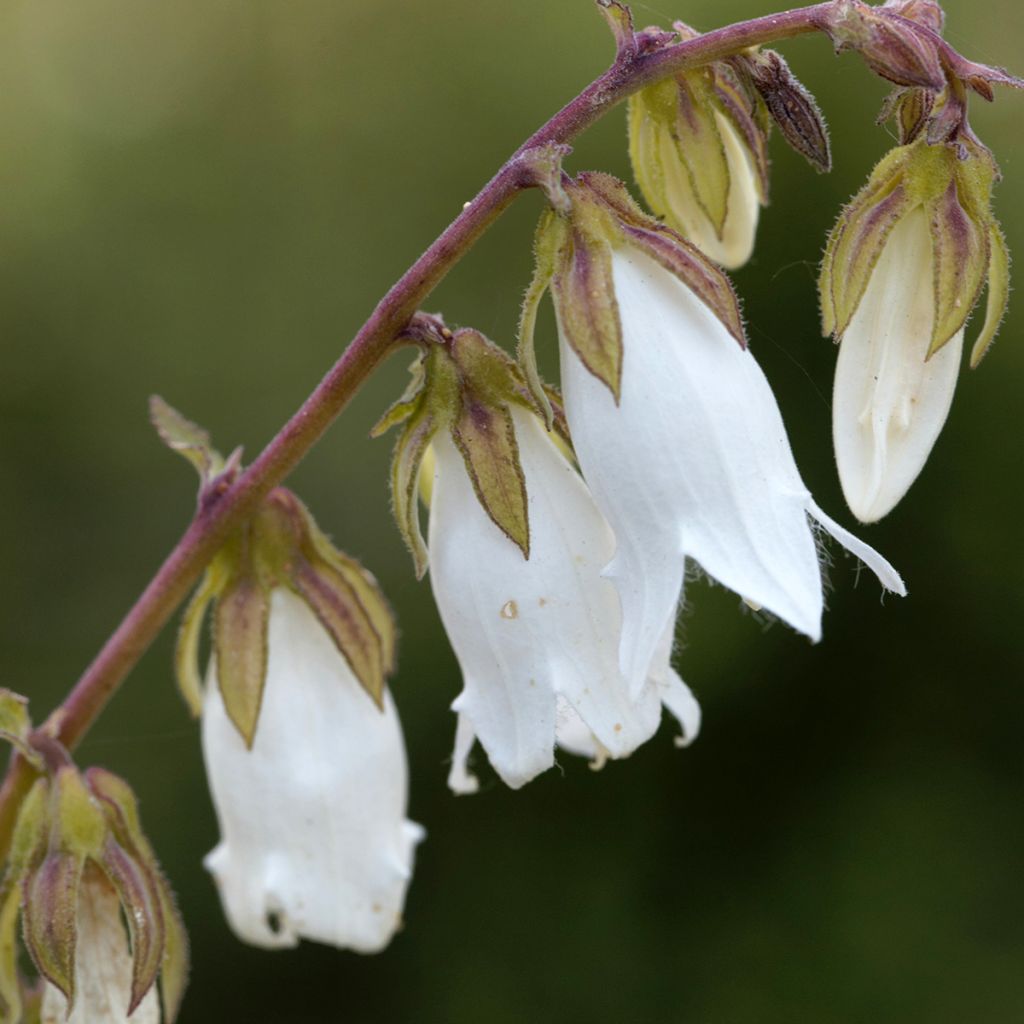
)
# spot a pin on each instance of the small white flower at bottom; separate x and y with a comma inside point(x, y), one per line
point(315, 843)
point(535, 635)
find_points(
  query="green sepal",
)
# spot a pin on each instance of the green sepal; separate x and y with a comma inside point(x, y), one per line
point(10, 983)
point(588, 313)
point(960, 247)
point(550, 242)
point(429, 403)
point(411, 446)
point(856, 241)
point(28, 843)
point(15, 725)
point(174, 965)
point(240, 647)
point(998, 293)
point(340, 611)
point(699, 144)
point(486, 438)
point(401, 410)
point(139, 896)
point(49, 912)
point(186, 650)
point(366, 588)
point(76, 822)
point(121, 811)
point(484, 433)
point(186, 438)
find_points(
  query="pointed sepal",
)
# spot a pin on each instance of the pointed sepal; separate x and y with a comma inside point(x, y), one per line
point(588, 315)
point(998, 293)
point(240, 647)
point(15, 725)
point(49, 918)
point(551, 241)
point(857, 239)
point(960, 247)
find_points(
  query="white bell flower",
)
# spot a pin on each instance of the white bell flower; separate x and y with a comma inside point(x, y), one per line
point(694, 462)
point(315, 842)
point(103, 965)
point(890, 400)
point(537, 639)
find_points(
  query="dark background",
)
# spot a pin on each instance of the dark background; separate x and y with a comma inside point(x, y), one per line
point(205, 199)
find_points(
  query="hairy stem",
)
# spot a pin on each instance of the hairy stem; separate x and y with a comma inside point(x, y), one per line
point(375, 340)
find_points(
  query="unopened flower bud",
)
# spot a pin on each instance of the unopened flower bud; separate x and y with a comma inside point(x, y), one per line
point(891, 43)
point(99, 919)
point(904, 267)
point(699, 155)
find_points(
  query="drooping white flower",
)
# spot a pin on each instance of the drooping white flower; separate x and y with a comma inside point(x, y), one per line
point(537, 638)
point(693, 462)
point(315, 842)
point(890, 400)
point(103, 965)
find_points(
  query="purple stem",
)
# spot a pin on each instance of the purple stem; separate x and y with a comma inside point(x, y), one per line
point(375, 340)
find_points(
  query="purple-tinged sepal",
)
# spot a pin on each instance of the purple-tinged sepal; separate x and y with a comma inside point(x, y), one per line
point(892, 43)
point(697, 141)
point(790, 104)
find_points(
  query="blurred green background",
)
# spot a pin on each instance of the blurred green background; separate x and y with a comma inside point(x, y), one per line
point(205, 199)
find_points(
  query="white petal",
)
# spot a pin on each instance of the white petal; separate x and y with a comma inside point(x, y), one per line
point(103, 965)
point(315, 843)
point(735, 246)
point(887, 575)
point(460, 779)
point(694, 461)
point(526, 631)
point(889, 404)
point(674, 693)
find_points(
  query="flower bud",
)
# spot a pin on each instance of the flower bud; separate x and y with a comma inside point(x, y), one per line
point(83, 870)
point(889, 40)
point(904, 267)
point(699, 156)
